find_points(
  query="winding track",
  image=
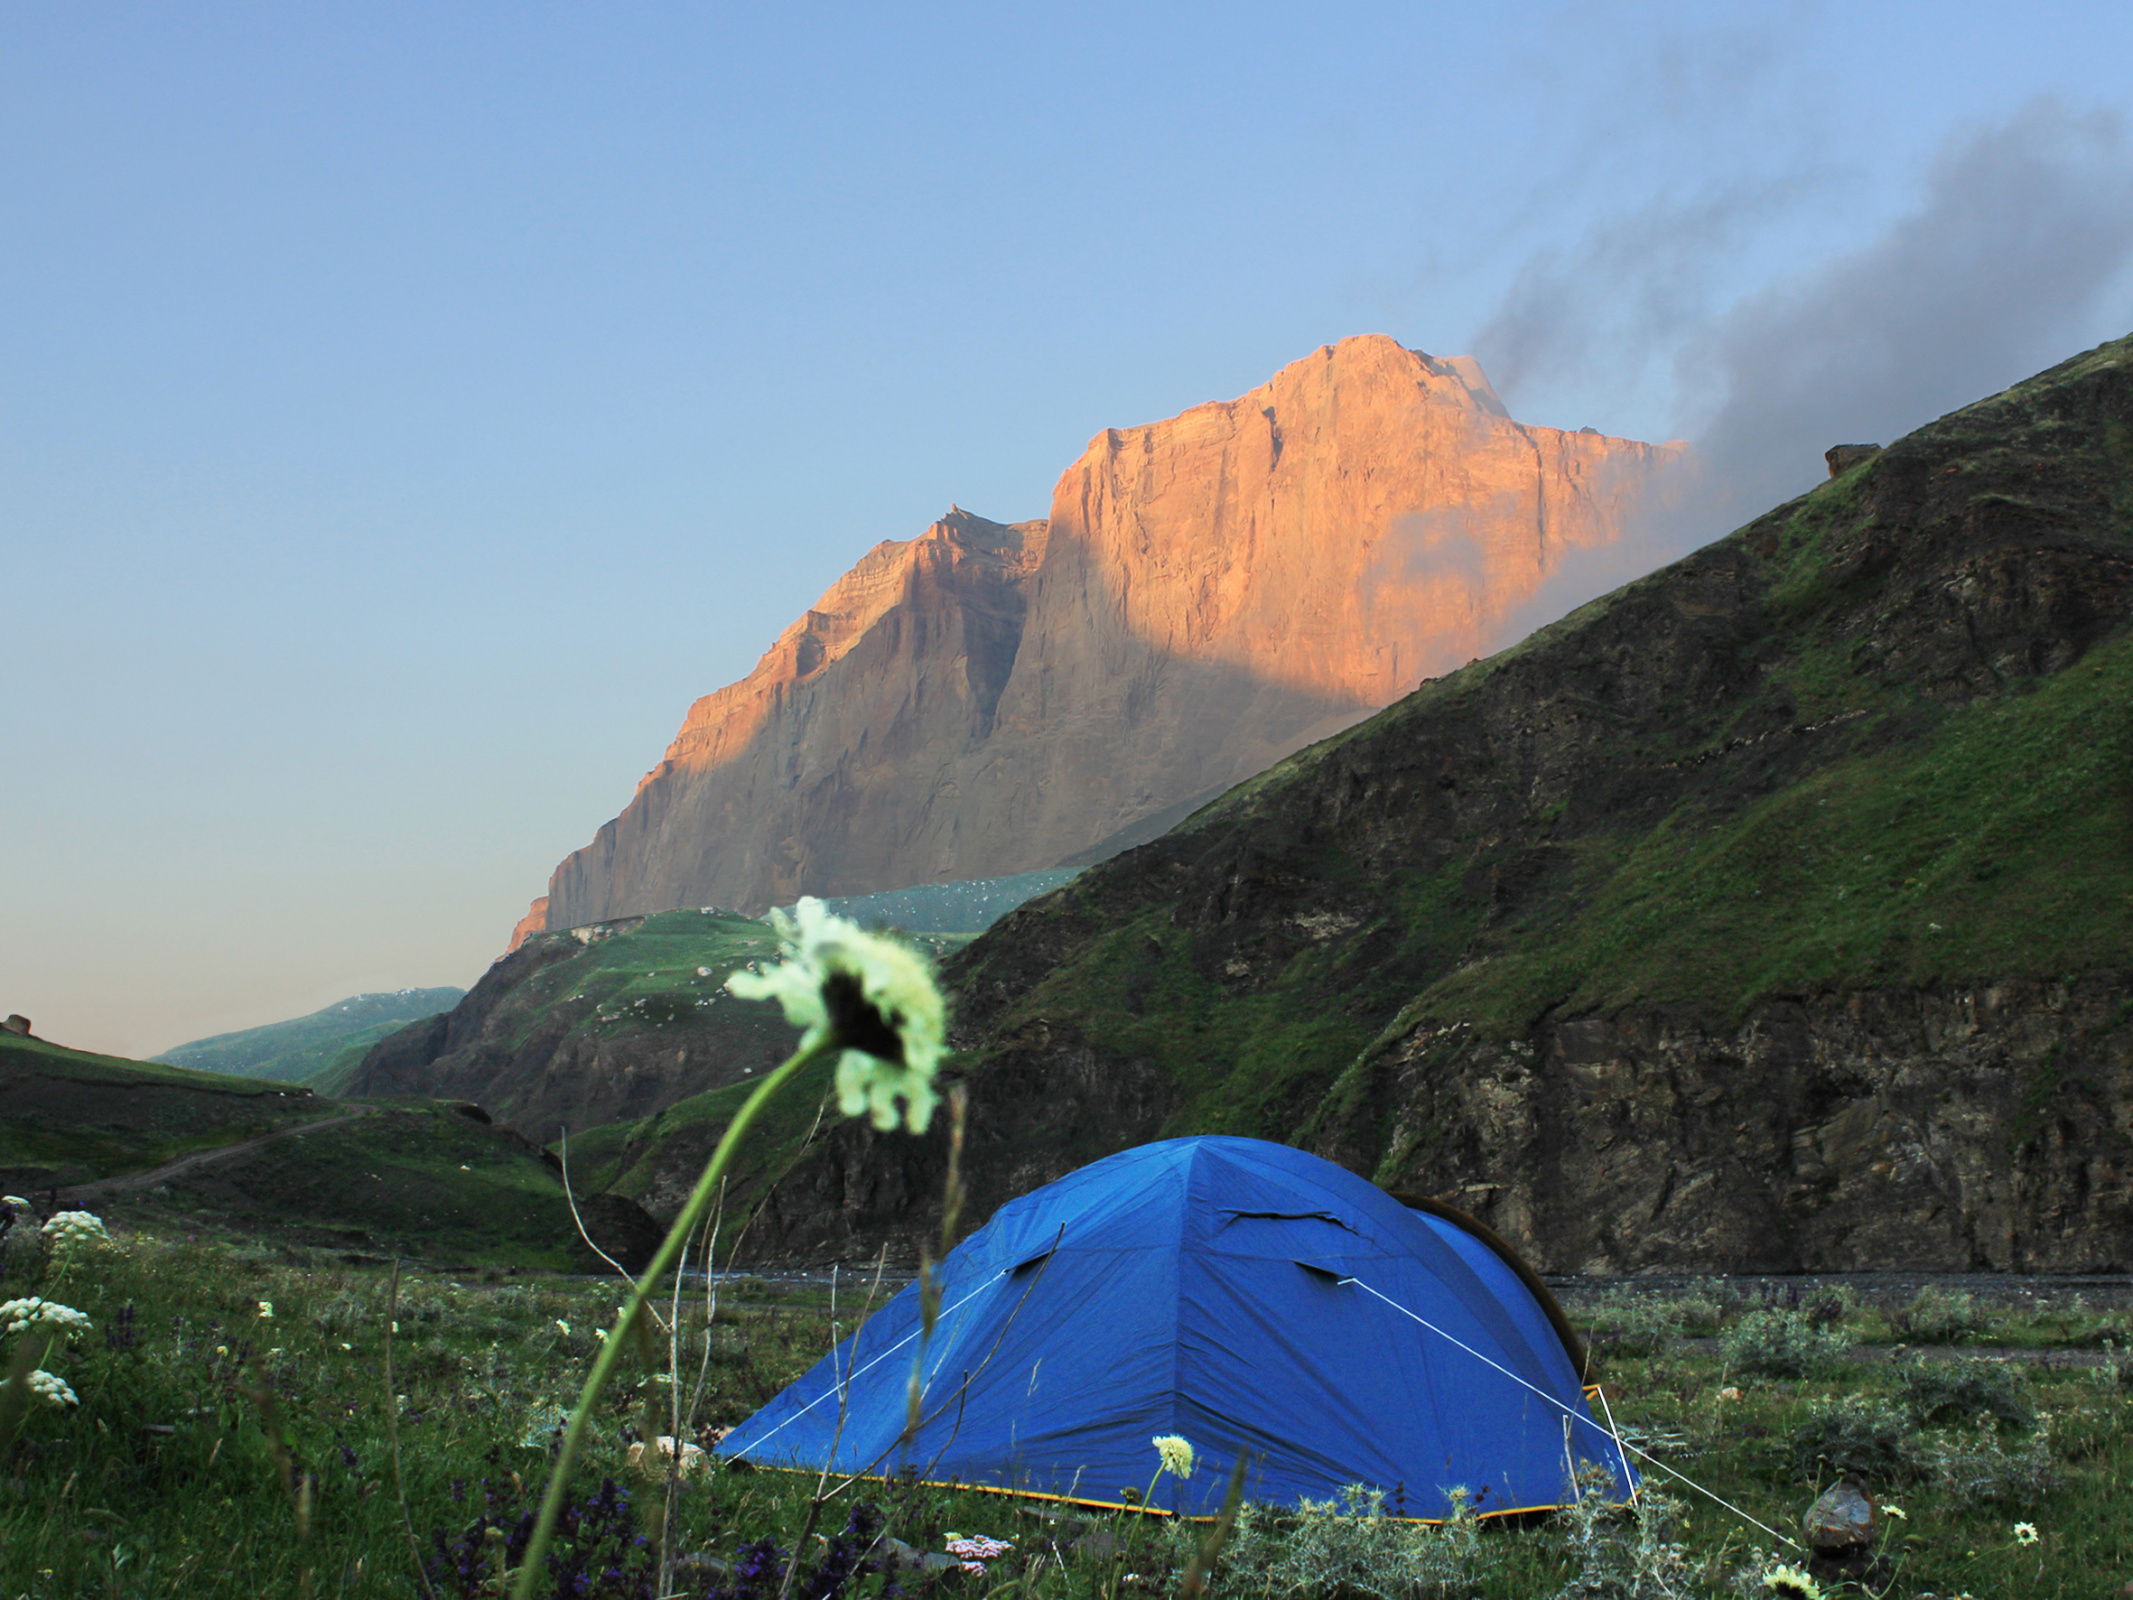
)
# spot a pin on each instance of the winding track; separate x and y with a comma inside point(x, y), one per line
point(102, 1187)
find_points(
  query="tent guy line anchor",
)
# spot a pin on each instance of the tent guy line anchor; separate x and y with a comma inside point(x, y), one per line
point(1619, 1442)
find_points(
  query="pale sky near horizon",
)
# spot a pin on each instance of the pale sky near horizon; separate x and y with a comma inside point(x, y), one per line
point(406, 411)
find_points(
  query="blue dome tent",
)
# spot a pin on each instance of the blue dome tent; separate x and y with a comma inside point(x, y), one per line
point(1246, 1295)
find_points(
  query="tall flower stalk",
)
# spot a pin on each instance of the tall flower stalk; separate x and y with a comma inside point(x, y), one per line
point(868, 1001)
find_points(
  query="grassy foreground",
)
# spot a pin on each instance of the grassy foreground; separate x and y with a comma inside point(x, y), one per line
point(198, 1410)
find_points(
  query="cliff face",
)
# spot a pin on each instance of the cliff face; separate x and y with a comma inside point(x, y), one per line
point(1209, 594)
point(1773, 913)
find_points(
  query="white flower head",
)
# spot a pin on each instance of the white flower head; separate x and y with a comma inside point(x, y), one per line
point(872, 995)
point(1176, 1454)
point(76, 1230)
point(18, 1316)
point(1791, 1582)
point(51, 1387)
point(2025, 1533)
point(14, 1200)
point(266, 1311)
point(560, 1323)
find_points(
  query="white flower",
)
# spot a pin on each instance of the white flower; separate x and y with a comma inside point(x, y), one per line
point(560, 1323)
point(19, 1315)
point(266, 1311)
point(2025, 1533)
point(14, 1200)
point(76, 1230)
point(1176, 1454)
point(873, 996)
point(53, 1388)
point(1791, 1582)
point(1889, 1509)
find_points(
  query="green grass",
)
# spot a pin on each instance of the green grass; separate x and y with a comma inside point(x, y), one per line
point(68, 1116)
point(412, 1180)
point(165, 1480)
point(1999, 845)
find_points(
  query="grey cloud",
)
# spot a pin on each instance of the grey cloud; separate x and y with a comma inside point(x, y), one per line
point(2016, 255)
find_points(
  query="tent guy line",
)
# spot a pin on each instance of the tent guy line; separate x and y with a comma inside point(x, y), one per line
point(1619, 1442)
point(853, 1377)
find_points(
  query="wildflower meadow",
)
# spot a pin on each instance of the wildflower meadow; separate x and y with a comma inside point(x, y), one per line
point(190, 1414)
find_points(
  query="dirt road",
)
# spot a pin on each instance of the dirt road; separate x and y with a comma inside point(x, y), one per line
point(82, 1193)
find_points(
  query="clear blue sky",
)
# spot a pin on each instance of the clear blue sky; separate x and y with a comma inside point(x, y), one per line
point(406, 411)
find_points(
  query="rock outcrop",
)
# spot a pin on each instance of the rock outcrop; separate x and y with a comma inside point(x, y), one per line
point(1209, 594)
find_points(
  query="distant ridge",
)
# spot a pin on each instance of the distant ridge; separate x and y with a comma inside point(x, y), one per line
point(309, 1049)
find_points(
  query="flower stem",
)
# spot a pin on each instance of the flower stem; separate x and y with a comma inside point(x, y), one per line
point(611, 1348)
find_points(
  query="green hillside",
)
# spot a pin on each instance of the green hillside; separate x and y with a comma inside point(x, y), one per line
point(68, 1116)
point(422, 1181)
point(299, 1050)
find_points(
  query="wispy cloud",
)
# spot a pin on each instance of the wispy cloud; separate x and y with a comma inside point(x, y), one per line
point(2016, 255)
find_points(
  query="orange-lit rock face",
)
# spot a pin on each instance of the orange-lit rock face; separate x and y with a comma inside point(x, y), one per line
point(1210, 593)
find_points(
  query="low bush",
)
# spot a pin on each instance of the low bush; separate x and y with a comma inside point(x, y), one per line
point(1976, 1466)
point(1632, 1324)
point(1935, 1316)
point(1962, 1391)
point(1865, 1434)
point(1784, 1344)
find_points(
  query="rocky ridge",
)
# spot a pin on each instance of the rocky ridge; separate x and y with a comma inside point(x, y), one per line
point(1209, 594)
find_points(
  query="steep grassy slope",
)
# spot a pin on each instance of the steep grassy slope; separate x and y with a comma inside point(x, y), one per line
point(298, 1050)
point(67, 1116)
point(1774, 910)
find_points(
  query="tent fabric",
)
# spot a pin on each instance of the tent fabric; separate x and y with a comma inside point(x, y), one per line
point(1214, 1288)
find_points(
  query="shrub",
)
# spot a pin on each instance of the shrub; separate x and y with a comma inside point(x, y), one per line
point(2116, 1369)
point(1627, 1552)
point(1630, 1324)
point(1934, 1316)
point(1784, 1344)
point(1960, 1391)
point(1975, 1466)
point(1343, 1547)
point(1855, 1433)
point(1705, 1309)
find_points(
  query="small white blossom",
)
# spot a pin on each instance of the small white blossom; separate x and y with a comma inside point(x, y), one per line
point(872, 995)
point(560, 1323)
point(2025, 1533)
point(18, 1316)
point(1176, 1454)
point(50, 1386)
point(266, 1311)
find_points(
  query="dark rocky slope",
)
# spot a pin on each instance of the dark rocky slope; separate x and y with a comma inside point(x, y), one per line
point(574, 1030)
point(1774, 912)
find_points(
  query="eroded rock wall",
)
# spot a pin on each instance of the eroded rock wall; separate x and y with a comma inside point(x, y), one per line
point(1209, 594)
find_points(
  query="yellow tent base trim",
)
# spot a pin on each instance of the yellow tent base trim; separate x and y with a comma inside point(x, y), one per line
point(1120, 1505)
